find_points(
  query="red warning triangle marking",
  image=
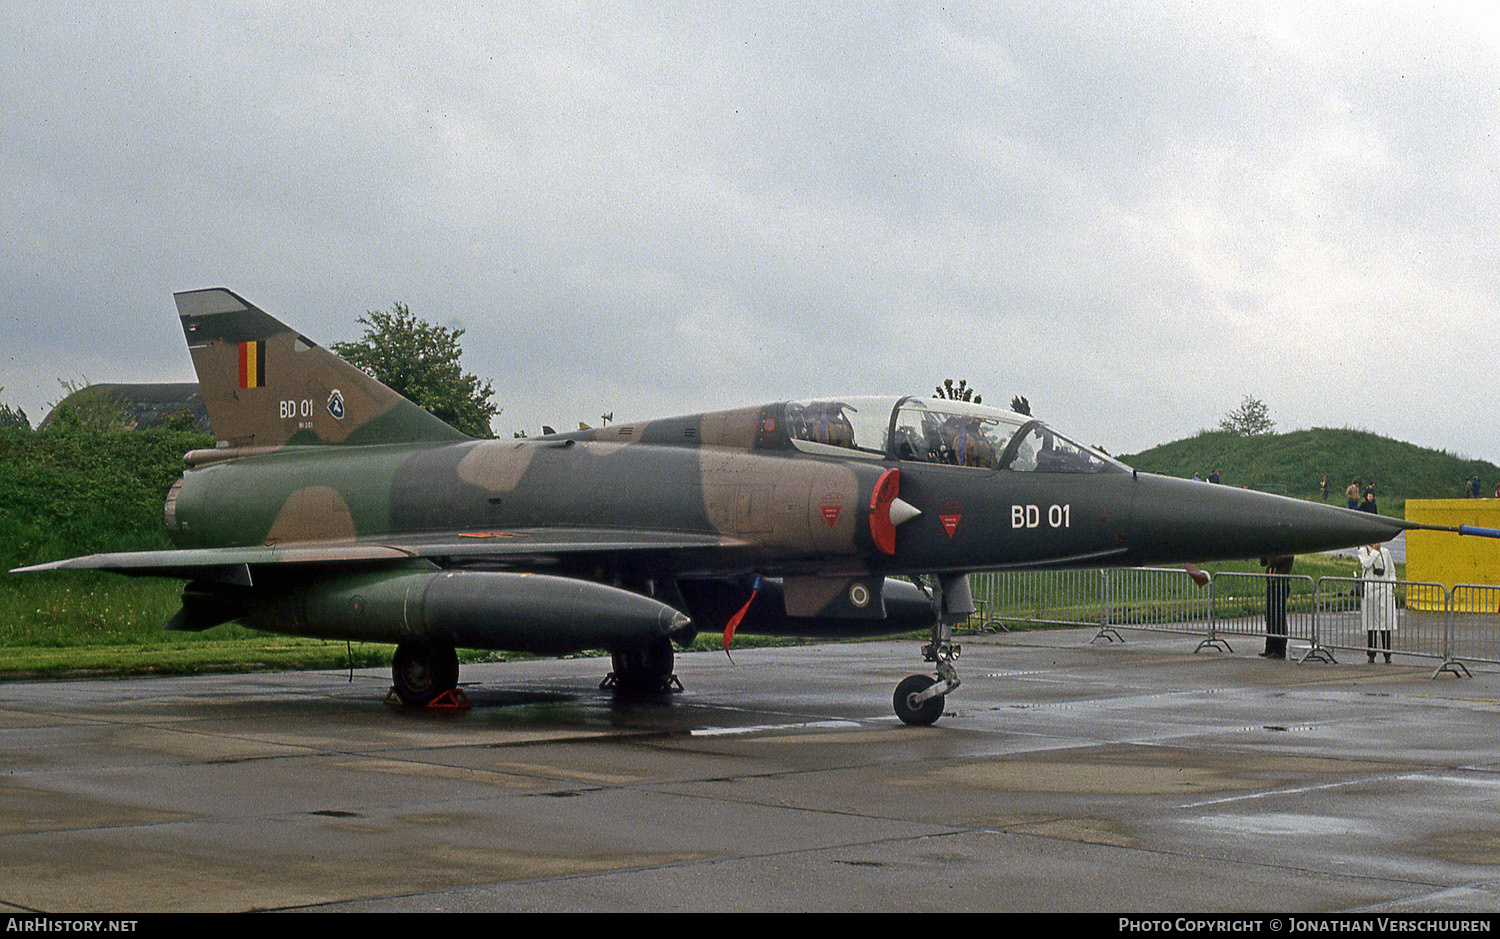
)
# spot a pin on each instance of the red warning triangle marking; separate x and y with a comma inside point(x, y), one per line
point(950, 515)
point(832, 506)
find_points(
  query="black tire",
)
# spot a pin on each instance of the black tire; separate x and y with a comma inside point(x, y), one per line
point(643, 668)
point(917, 714)
point(421, 672)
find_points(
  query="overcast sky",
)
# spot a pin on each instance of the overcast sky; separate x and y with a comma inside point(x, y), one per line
point(1134, 214)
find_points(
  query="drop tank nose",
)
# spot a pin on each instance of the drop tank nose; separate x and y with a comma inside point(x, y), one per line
point(1179, 520)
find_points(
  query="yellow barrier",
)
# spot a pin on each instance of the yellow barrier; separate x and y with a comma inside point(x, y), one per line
point(1448, 559)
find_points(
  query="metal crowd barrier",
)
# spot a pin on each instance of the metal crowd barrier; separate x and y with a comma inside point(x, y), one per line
point(1048, 598)
point(1474, 609)
point(1381, 618)
point(1326, 618)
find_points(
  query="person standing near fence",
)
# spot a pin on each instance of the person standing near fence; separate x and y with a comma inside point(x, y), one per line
point(1277, 589)
point(1377, 605)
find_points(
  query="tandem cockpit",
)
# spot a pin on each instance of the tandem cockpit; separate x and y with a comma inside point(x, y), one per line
point(937, 430)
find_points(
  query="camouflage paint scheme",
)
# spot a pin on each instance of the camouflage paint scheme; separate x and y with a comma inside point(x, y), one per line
point(334, 507)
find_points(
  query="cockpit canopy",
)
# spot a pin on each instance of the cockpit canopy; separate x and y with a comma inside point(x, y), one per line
point(936, 430)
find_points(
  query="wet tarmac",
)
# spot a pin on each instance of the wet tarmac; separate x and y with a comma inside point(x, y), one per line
point(1066, 775)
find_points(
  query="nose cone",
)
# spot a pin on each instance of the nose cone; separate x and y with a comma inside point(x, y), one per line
point(1179, 520)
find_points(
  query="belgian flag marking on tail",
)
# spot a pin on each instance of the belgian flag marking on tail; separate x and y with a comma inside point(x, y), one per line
point(253, 364)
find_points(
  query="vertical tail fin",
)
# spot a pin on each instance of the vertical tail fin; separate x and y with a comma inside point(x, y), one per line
point(265, 385)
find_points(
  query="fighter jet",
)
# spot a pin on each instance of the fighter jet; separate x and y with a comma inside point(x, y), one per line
point(333, 507)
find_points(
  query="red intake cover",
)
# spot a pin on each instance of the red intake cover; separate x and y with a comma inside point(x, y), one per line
point(881, 528)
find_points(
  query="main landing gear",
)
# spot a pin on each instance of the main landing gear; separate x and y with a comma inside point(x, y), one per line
point(423, 672)
point(642, 669)
point(919, 699)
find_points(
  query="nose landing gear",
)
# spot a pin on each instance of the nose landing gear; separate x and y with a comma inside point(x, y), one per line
point(919, 699)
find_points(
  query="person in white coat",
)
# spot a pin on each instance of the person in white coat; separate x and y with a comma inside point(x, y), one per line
point(1377, 607)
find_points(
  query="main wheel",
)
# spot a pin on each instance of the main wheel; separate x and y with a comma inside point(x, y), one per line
point(908, 710)
point(421, 671)
point(643, 667)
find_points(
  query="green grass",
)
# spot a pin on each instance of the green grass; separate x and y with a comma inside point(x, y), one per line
point(88, 623)
point(259, 653)
point(1293, 463)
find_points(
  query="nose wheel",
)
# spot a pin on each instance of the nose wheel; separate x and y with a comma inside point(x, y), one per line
point(919, 699)
point(911, 705)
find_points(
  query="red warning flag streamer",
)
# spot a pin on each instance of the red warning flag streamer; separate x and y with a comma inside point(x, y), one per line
point(734, 621)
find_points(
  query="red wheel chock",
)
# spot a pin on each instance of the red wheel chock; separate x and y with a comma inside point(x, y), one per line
point(453, 699)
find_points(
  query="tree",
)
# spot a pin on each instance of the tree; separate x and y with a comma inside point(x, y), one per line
point(85, 406)
point(182, 422)
point(419, 361)
point(1020, 405)
point(1251, 418)
point(959, 392)
point(13, 418)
